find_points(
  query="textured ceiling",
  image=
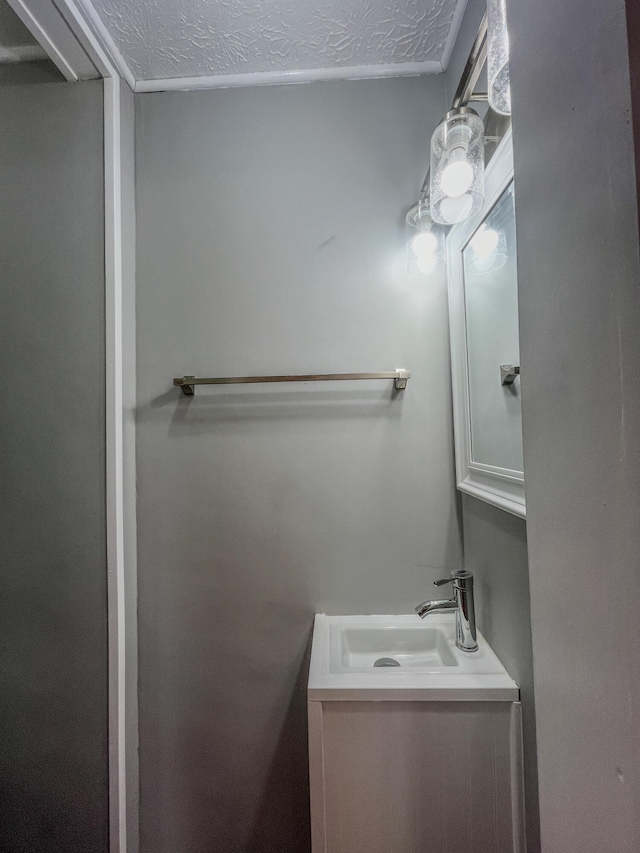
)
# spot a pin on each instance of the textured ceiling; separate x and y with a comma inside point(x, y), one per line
point(197, 38)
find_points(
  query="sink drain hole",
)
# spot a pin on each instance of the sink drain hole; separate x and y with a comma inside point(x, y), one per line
point(386, 662)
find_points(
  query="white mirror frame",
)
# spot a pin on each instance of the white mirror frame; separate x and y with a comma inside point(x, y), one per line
point(501, 487)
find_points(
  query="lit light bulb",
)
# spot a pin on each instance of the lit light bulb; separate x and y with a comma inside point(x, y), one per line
point(454, 210)
point(457, 178)
point(485, 242)
point(424, 244)
point(456, 189)
point(426, 264)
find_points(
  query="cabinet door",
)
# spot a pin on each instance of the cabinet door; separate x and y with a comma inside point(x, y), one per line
point(416, 777)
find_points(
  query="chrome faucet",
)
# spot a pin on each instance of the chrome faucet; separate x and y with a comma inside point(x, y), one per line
point(462, 602)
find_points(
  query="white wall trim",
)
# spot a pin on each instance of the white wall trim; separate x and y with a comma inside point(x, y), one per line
point(77, 24)
point(454, 29)
point(44, 27)
point(278, 78)
point(115, 484)
point(85, 14)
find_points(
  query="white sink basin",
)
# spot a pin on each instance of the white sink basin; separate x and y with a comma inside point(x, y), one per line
point(416, 660)
point(360, 647)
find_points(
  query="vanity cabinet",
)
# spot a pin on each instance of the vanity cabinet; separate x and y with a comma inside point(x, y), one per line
point(417, 772)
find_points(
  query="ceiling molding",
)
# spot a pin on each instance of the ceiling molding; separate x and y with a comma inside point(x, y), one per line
point(46, 24)
point(278, 78)
point(85, 22)
point(453, 32)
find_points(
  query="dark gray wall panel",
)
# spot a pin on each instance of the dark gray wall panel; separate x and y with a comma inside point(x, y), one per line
point(579, 293)
point(53, 616)
point(495, 542)
point(633, 27)
point(271, 240)
point(29, 73)
point(495, 550)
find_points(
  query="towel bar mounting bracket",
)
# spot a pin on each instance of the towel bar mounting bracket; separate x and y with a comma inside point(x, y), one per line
point(508, 373)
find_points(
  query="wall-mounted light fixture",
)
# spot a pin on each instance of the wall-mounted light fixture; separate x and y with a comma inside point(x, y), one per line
point(499, 88)
point(457, 166)
point(425, 243)
point(453, 189)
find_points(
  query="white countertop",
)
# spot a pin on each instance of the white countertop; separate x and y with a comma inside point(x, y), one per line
point(337, 673)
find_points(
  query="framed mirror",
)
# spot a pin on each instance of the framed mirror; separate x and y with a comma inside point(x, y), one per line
point(485, 360)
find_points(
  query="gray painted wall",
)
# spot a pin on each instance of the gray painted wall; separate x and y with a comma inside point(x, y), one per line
point(495, 550)
point(271, 240)
point(29, 72)
point(495, 542)
point(579, 282)
point(53, 614)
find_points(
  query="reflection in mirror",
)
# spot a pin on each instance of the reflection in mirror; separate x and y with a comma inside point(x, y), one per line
point(491, 313)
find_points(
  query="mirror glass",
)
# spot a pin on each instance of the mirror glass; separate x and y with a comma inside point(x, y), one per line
point(491, 313)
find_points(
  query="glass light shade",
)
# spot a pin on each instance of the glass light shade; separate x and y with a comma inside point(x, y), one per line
point(425, 242)
point(487, 250)
point(499, 86)
point(457, 167)
point(426, 265)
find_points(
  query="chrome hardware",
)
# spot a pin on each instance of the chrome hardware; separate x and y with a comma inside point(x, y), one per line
point(382, 662)
point(188, 383)
point(464, 606)
point(508, 373)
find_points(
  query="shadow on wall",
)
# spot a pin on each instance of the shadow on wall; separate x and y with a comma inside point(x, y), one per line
point(496, 552)
point(286, 788)
point(230, 713)
point(210, 406)
point(247, 793)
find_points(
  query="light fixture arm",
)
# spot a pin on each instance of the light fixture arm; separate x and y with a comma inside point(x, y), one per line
point(465, 93)
point(473, 68)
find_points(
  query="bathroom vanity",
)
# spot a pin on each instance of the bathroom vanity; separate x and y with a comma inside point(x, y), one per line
point(414, 745)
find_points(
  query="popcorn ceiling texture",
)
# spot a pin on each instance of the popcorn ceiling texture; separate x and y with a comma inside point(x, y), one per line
point(193, 38)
